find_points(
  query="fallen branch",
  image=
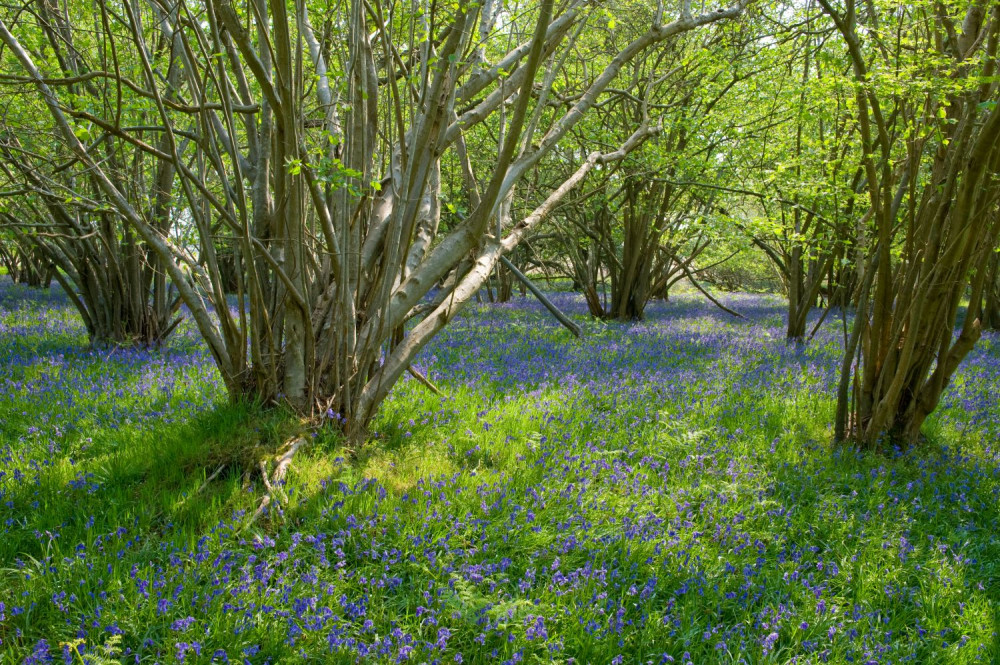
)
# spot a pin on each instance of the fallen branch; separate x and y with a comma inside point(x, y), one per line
point(709, 296)
point(215, 474)
point(562, 318)
point(423, 379)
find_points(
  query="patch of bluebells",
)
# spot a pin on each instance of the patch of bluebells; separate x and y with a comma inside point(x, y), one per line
point(656, 492)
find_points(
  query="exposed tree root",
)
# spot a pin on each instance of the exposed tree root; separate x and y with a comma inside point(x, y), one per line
point(273, 481)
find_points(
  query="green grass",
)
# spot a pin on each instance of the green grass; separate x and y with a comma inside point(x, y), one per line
point(637, 515)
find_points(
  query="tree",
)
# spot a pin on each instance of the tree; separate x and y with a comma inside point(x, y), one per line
point(991, 292)
point(928, 122)
point(23, 264)
point(644, 223)
point(318, 152)
point(796, 174)
point(55, 208)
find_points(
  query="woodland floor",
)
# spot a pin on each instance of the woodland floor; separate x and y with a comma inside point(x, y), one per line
point(656, 492)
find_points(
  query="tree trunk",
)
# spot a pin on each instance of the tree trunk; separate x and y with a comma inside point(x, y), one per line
point(905, 338)
point(334, 254)
point(991, 293)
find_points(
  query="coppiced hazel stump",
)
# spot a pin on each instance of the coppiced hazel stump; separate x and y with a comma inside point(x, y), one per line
point(315, 155)
point(931, 155)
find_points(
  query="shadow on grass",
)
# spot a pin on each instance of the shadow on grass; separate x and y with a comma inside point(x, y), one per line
point(918, 525)
point(148, 478)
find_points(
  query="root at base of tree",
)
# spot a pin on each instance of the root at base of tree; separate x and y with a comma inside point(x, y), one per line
point(273, 481)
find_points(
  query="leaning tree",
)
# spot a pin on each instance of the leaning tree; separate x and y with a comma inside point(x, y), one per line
point(315, 150)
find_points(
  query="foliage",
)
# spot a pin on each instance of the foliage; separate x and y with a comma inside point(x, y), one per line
point(745, 270)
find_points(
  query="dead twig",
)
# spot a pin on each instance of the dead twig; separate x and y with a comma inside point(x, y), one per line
point(215, 474)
